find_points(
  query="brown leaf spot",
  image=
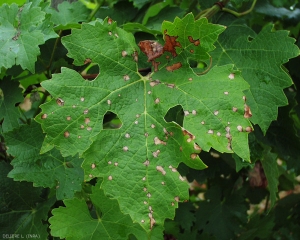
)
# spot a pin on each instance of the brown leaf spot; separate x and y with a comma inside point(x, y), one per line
point(151, 48)
point(124, 53)
point(239, 128)
point(195, 42)
point(44, 116)
point(135, 56)
point(174, 67)
point(161, 169)
point(170, 44)
point(109, 21)
point(87, 60)
point(66, 134)
point(247, 113)
point(248, 129)
point(87, 120)
point(60, 102)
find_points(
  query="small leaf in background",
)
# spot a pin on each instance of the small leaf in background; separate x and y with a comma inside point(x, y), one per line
point(68, 14)
point(223, 212)
point(269, 163)
point(259, 57)
point(47, 170)
point(22, 210)
point(19, 35)
point(11, 96)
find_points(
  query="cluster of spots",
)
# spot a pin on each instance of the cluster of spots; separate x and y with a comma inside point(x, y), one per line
point(229, 138)
point(167, 134)
point(190, 136)
point(172, 168)
point(152, 220)
point(176, 199)
point(135, 56)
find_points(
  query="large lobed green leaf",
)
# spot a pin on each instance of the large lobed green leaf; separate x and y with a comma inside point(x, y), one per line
point(46, 170)
point(259, 57)
point(138, 161)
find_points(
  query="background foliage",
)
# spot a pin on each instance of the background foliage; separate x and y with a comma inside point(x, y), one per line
point(107, 136)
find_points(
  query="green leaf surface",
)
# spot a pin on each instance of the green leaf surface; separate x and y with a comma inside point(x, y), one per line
point(226, 214)
point(139, 3)
point(19, 35)
point(185, 215)
point(259, 227)
point(269, 163)
point(22, 211)
point(259, 57)
point(76, 222)
point(47, 170)
point(11, 94)
point(68, 14)
point(138, 161)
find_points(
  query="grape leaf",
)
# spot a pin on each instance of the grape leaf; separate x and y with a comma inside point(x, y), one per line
point(259, 57)
point(20, 35)
point(68, 14)
point(75, 221)
point(225, 213)
point(22, 211)
point(11, 94)
point(138, 161)
point(47, 170)
point(139, 3)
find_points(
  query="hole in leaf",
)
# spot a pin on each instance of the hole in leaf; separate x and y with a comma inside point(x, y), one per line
point(250, 38)
point(91, 71)
point(111, 121)
point(175, 114)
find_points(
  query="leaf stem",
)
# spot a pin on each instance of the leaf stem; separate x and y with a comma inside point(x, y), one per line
point(95, 10)
point(242, 13)
point(52, 54)
point(267, 203)
point(208, 13)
